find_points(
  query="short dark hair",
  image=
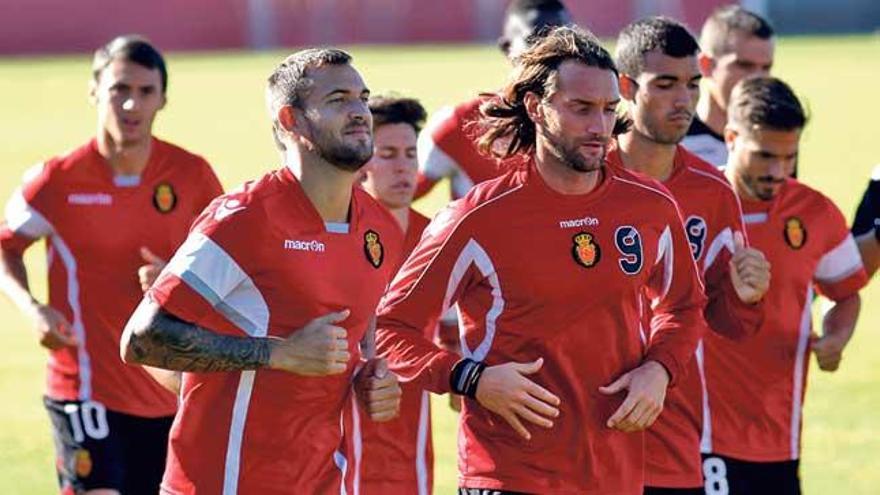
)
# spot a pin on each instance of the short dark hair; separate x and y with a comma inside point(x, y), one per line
point(725, 20)
point(290, 81)
point(766, 102)
point(393, 109)
point(646, 35)
point(505, 117)
point(524, 6)
point(132, 48)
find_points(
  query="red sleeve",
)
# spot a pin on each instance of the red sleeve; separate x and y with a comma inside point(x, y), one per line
point(210, 186)
point(840, 272)
point(205, 281)
point(424, 185)
point(726, 314)
point(678, 302)
point(29, 211)
point(416, 299)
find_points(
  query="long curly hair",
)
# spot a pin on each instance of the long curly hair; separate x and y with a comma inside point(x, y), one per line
point(505, 123)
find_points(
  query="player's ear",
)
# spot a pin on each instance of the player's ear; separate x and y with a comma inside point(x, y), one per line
point(93, 92)
point(287, 119)
point(730, 135)
point(628, 87)
point(164, 101)
point(707, 64)
point(534, 109)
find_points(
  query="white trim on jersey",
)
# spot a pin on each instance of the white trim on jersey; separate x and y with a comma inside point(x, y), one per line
point(358, 444)
point(83, 359)
point(436, 164)
point(338, 458)
point(724, 239)
point(798, 375)
point(707, 147)
point(706, 435)
point(665, 253)
point(840, 262)
point(212, 273)
point(474, 254)
point(752, 218)
point(24, 220)
point(236, 431)
point(422, 444)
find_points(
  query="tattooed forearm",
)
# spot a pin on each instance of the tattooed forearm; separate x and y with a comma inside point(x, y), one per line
point(160, 339)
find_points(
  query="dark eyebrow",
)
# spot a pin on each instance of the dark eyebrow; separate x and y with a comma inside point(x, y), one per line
point(579, 101)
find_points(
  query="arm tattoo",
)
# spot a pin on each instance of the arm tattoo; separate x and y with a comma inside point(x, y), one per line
point(171, 343)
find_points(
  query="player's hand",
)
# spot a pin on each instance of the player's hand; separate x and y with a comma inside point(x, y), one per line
point(828, 350)
point(505, 390)
point(646, 386)
point(148, 273)
point(318, 349)
point(378, 391)
point(53, 330)
point(749, 271)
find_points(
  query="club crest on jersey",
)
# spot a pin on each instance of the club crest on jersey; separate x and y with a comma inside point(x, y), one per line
point(373, 248)
point(82, 463)
point(795, 233)
point(164, 198)
point(585, 250)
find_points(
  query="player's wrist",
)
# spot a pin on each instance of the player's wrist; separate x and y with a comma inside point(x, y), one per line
point(657, 368)
point(465, 377)
point(276, 360)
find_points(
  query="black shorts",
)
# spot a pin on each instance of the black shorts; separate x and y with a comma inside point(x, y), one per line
point(98, 448)
point(653, 490)
point(724, 475)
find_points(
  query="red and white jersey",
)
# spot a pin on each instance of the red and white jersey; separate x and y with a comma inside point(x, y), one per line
point(712, 214)
point(397, 455)
point(94, 225)
point(261, 262)
point(756, 386)
point(447, 149)
point(536, 273)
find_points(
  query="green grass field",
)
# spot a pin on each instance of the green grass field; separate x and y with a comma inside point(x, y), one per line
point(216, 108)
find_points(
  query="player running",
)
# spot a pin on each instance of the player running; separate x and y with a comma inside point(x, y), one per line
point(398, 455)
point(448, 148)
point(120, 203)
point(265, 303)
point(736, 43)
point(549, 264)
point(866, 225)
point(756, 387)
point(659, 80)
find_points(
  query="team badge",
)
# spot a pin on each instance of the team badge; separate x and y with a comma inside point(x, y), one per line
point(373, 248)
point(795, 233)
point(585, 250)
point(82, 463)
point(164, 198)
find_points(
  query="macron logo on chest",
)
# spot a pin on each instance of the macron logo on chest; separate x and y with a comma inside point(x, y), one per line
point(312, 246)
point(101, 199)
point(579, 223)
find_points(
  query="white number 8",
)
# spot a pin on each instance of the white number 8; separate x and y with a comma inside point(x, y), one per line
point(88, 418)
point(715, 472)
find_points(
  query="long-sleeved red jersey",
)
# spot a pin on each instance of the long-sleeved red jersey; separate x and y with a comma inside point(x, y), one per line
point(712, 214)
point(535, 274)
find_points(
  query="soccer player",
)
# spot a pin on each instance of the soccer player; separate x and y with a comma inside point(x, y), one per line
point(448, 148)
point(736, 43)
point(121, 196)
point(756, 386)
point(397, 455)
point(264, 304)
point(549, 264)
point(866, 225)
point(659, 80)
